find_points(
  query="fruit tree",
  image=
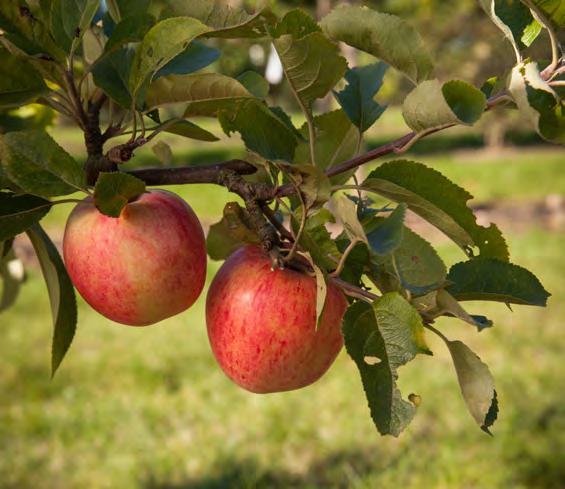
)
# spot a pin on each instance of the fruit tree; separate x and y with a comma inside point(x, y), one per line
point(316, 258)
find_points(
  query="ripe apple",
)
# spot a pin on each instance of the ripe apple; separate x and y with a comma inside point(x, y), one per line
point(262, 324)
point(139, 268)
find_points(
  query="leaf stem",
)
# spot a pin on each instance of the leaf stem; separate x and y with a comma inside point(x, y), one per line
point(343, 259)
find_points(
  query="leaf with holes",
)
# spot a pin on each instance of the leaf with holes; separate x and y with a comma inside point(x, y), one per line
point(380, 339)
point(114, 190)
point(38, 165)
point(438, 200)
point(61, 294)
point(433, 104)
point(385, 36)
point(495, 280)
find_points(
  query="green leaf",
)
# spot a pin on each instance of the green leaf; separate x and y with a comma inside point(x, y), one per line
point(433, 104)
point(190, 130)
point(12, 275)
point(385, 36)
point(415, 265)
point(553, 11)
point(111, 74)
point(514, 19)
point(254, 83)
point(387, 236)
point(130, 29)
point(438, 200)
point(312, 64)
point(357, 98)
point(38, 165)
point(446, 303)
point(61, 294)
point(162, 43)
point(19, 212)
point(313, 184)
point(205, 93)
point(121, 9)
point(113, 191)
point(27, 32)
point(380, 339)
point(224, 21)
point(70, 19)
point(230, 233)
point(477, 384)
point(261, 130)
point(494, 280)
point(296, 23)
point(317, 240)
point(337, 140)
point(20, 83)
point(195, 57)
point(163, 152)
point(538, 102)
point(345, 212)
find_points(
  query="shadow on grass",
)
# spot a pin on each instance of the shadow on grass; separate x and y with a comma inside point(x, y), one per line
point(337, 471)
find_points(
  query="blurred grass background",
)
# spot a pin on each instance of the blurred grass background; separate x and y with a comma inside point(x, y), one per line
point(148, 408)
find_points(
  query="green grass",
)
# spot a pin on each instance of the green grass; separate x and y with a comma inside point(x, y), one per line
point(149, 408)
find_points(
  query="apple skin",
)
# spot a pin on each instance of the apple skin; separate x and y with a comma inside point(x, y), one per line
point(139, 268)
point(262, 324)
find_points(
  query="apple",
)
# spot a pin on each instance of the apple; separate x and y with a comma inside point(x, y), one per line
point(144, 266)
point(262, 324)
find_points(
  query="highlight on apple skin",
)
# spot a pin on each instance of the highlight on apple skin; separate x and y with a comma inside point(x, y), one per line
point(262, 324)
point(142, 267)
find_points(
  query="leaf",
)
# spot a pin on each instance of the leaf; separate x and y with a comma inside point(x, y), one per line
point(438, 200)
point(190, 130)
point(387, 236)
point(224, 21)
point(163, 151)
point(19, 212)
point(230, 233)
point(111, 74)
point(495, 280)
point(261, 130)
point(61, 294)
point(312, 65)
point(12, 274)
point(419, 267)
point(433, 104)
point(446, 303)
point(296, 23)
point(121, 9)
point(477, 384)
point(514, 19)
point(195, 57)
point(321, 289)
point(357, 98)
point(205, 93)
point(553, 11)
point(317, 240)
point(313, 184)
point(27, 32)
point(254, 83)
point(70, 19)
point(20, 83)
point(380, 339)
point(337, 140)
point(385, 36)
point(345, 212)
point(130, 29)
point(38, 165)
point(163, 42)
point(113, 191)
point(538, 102)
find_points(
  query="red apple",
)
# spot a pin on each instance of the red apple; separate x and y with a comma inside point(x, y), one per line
point(142, 267)
point(262, 324)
